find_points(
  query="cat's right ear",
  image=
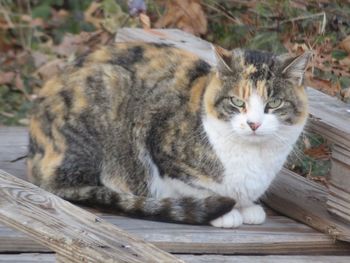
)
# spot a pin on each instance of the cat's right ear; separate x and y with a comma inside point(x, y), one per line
point(223, 59)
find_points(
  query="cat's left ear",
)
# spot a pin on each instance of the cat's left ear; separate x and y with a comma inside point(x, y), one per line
point(223, 59)
point(294, 68)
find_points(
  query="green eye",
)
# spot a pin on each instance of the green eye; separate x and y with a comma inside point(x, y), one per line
point(237, 102)
point(274, 103)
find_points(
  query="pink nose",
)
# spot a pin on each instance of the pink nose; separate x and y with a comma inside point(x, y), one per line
point(254, 125)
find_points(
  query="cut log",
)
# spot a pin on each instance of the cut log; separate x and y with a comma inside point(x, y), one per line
point(68, 230)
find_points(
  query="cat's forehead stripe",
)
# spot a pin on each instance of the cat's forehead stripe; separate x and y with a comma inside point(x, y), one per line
point(246, 87)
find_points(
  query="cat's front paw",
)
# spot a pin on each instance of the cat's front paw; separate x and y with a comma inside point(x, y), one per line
point(230, 220)
point(253, 215)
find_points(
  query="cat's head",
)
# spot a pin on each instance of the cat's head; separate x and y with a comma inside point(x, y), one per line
point(257, 93)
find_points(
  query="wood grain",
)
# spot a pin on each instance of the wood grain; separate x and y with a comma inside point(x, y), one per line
point(13, 144)
point(304, 200)
point(264, 259)
point(69, 230)
point(50, 258)
point(279, 235)
point(27, 258)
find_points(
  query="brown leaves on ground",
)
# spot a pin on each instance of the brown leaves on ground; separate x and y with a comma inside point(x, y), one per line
point(321, 152)
point(187, 15)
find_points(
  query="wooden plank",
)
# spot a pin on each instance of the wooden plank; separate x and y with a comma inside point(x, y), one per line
point(174, 37)
point(331, 117)
point(264, 259)
point(50, 258)
point(13, 144)
point(304, 200)
point(27, 258)
point(279, 235)
point(67, 229)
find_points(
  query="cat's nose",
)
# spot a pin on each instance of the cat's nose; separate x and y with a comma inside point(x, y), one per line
point(254, 125)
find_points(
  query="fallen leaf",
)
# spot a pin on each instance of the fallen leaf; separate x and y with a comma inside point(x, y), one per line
point(39, 58)
point(187, 15)
point(345, 44)
point(50, 69)
point(6, 77)
point(145, 21)
point(321, 152)
point(345, 94)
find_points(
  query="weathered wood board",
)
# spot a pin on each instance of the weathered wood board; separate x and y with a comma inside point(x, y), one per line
point(279, 235)
point(68, 230)
point(51, 258)
point(304, 200)
point(264, 259)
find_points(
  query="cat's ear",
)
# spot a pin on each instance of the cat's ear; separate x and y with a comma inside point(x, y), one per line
point(294, 68)
point(223, 59)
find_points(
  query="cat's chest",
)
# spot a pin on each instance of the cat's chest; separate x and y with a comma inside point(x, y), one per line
point(248, 171)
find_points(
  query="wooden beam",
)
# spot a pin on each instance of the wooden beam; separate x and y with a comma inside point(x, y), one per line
point(51, 258)
point(304, 200)
point(278, 235)
point(68, 230)
point(264, 259)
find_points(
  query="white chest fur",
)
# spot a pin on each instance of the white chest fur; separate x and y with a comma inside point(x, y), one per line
point(249, 167)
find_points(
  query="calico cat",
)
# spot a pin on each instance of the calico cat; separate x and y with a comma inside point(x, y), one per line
point(155, 132)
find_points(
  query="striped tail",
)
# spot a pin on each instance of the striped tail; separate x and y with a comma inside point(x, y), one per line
point(187, 210)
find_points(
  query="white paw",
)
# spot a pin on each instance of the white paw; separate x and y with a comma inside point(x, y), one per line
point(230, 220)
point(253, 215)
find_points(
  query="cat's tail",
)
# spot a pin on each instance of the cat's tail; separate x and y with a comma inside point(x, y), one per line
point(184, 209)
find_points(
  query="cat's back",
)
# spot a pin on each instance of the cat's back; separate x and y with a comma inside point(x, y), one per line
point(100, 94)
point(120, 70)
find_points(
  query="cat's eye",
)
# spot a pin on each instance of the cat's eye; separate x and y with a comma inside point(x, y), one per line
point(237, 102)
point(274, 103)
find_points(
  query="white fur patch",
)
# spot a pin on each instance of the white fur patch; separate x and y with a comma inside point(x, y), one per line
point(232, 219)
point(253, 215)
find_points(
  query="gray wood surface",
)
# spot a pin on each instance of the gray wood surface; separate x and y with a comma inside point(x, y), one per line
point(27, 258)
point(13, 138)
point(305, 201)
point(279, 235)
point(50, 258)
point(67, 229)
point(264, 259)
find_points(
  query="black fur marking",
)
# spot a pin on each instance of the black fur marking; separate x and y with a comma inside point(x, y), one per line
point(46, 124)
point(129, 57)
point(80, 60)
point(199, 69)
point(67, 98)
point(34, 148)
point(162, 45)
point(258, 58)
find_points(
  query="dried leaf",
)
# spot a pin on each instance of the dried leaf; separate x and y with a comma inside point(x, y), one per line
point(345, 44)
point(187, 15)
point(145, 21)
point(39, 58)
point(321, 152)
point(50, 69)
point(6, 77)
point(345, 94)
